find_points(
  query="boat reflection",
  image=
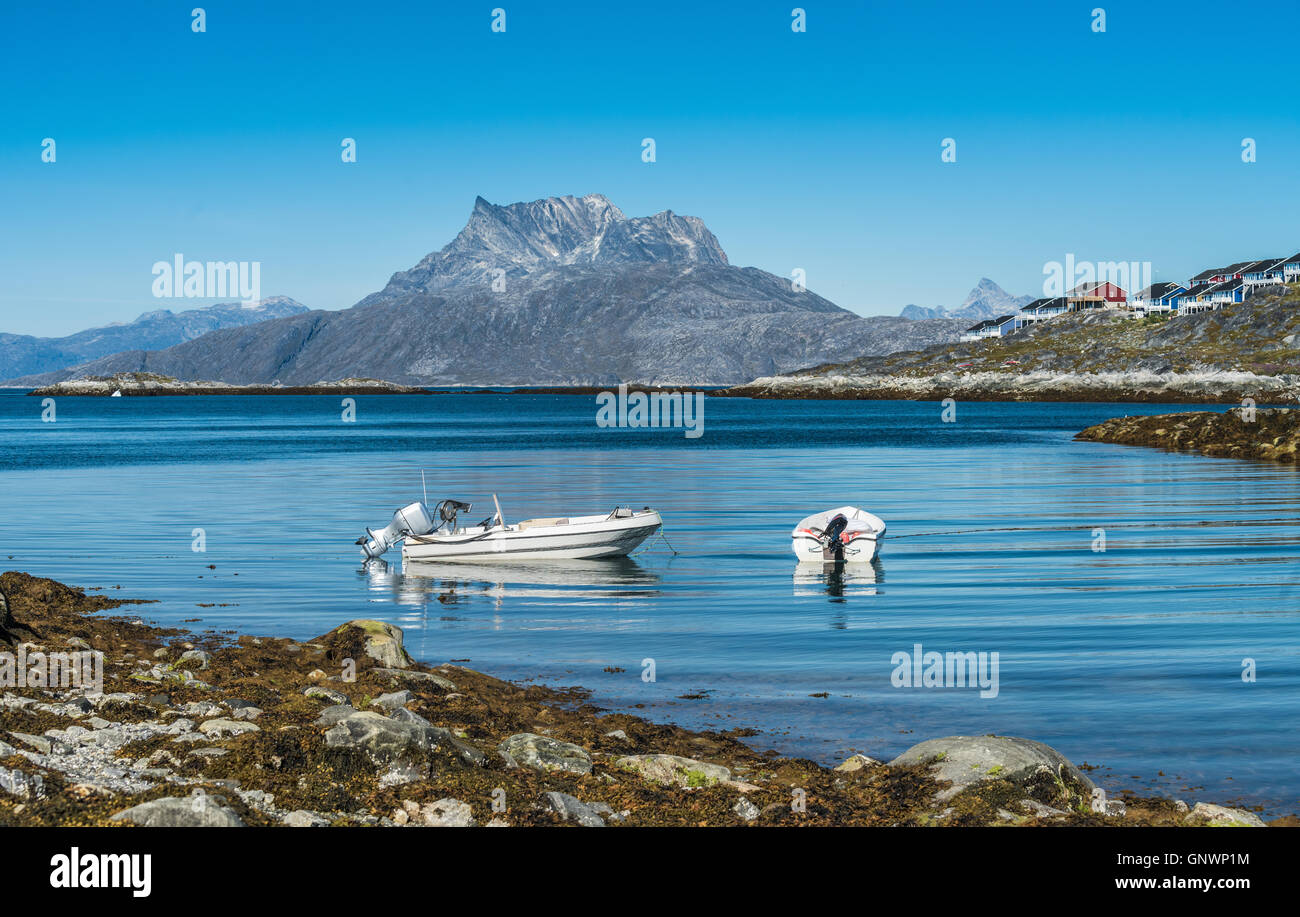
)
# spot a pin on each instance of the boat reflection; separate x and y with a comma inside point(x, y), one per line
point(615, 581)
point(839, 580)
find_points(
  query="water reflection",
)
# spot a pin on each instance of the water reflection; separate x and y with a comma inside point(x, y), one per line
point(838, 580)
point(613, 581)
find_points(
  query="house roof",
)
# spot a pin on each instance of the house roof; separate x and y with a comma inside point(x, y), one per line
point(1259, 267)
point(1225, 286)
point(1206, 275)
point(1156, 290)
point(977, 326)
point(1294, 259)
point(1237, 268)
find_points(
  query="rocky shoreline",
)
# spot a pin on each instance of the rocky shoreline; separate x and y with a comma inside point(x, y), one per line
point(1269, 435)
point(1218, 387)
point(217, 729)
point(138, 384)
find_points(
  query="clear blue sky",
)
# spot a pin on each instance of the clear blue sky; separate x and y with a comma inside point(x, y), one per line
point(818, 150)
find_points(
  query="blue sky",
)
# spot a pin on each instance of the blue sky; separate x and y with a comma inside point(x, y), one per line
point(818, 150)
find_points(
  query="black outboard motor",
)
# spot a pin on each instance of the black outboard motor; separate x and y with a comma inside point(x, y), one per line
point(832, 546)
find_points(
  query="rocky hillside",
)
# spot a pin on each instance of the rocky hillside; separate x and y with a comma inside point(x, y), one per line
point(564, 291)
point(986, 300)
point(1247, 349)
point(24, 355)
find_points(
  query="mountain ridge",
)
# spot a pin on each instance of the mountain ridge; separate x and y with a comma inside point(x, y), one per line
point(561, 291)
point(24, 355)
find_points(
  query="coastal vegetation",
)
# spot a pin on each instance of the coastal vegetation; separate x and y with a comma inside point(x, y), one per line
point(221, 729)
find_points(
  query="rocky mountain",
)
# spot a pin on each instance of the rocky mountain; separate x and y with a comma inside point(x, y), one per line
point(561, 291)
point(986, 300)
point(23, 355)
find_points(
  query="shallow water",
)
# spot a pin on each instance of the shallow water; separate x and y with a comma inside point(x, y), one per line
point(1128, 658)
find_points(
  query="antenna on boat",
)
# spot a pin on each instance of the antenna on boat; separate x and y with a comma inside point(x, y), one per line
point(424, 488)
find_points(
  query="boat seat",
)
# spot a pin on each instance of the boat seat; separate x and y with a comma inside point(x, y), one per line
point(534, 523)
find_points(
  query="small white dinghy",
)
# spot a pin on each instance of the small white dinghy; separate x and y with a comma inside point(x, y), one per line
point(613, 534)
point(838, 535)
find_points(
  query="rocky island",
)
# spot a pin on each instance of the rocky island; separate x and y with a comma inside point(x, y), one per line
point(142, 383)
point(222, 730)
point(1271, 435)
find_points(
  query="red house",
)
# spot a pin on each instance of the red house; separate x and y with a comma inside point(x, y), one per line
point(1096, 295)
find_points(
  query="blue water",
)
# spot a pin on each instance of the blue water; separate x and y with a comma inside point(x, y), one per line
point(1128, 658)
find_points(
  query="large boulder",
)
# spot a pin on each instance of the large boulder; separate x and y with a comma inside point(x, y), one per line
point(196, 811)
point(384, 739)
point(673, 770)
point(1225, 816)
point(1040, 771)
point(379, 640)
point(542, 753)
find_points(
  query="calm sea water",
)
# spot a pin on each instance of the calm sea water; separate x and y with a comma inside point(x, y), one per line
point(1128, 658)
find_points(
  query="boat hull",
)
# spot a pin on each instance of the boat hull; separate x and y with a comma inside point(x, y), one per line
point(808, 549)
point(578, 539)
point(858, 541)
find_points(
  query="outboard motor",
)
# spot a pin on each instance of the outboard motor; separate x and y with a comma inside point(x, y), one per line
point(832, 546)
point(409, 520)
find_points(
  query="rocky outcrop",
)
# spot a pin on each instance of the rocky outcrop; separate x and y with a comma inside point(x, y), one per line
point(1034, 769)
point(675, 770)
point(1263, 434)
point(542, 753)
point(195, 811)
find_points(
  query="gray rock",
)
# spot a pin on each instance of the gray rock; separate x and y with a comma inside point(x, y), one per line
point(400, 773)
point(202, 657)
point(569, 808)
point(542, 753)
point(40, 743)
point(196, 811)
point(385, 740)
point(383, 642)
point(247, 713)
point(24, 786)
point(304, 818)
point(1044, 773)
point(673, 770)
point(745, 810)
point(225, 727)
point(1217, 816)
point(329, 694)
point(446, 813)
point(414, 675)
point(395, 701)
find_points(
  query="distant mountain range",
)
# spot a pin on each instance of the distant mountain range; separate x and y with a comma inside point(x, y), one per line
point(562, 291)
point(24, 355)
point(986, 300)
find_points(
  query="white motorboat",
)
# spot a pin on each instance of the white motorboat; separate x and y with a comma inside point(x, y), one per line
point(613, 534)
point(838, 535)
